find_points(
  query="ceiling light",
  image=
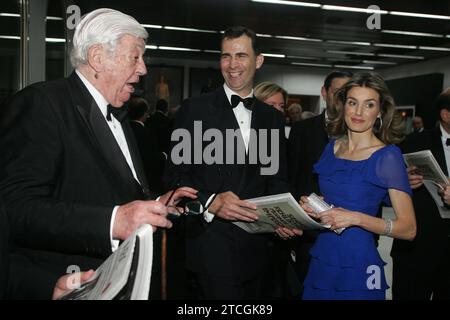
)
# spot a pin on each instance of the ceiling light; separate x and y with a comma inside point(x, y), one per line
point(151, 47)
point(389, 45)
point(5, 14)
point(353, 67)
point(303, 57)
point(353, 53)
point(261, 35)
point(434, 48)
point(178, 49)
point(10, 37)
point(419, 15)
point(349, 42)
point(311, 64)
point(412, 33)
point(189, 29)
point(54, 18)
point(353, 9)
point(290, 3)
point(55, 40)
point(211, 51)
point(379, 62)
point(273, 55)
point(152, 26)
point(298, 38)
point(386, 55)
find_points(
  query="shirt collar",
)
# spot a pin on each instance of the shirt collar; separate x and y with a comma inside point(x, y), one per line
point(230, 92)
point(98, 97)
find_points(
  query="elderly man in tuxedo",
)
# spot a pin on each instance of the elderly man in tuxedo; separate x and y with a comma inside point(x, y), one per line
point(70, 174)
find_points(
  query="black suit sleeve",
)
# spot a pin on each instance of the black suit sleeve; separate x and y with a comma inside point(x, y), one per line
point(31, 173)
point(293, 151)
point(179, 174)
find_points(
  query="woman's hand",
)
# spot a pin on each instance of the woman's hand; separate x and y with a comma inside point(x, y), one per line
point(339, 218)
point(304, 204)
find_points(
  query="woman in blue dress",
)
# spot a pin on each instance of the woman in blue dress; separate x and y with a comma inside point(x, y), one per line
point(359, 170)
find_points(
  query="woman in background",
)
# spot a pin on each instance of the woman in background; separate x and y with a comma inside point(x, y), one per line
point(273, 95)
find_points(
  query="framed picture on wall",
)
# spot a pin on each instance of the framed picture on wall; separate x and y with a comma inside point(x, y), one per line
point(308, 103)
point(204, 80)
point(407, 113)
point(164, 82)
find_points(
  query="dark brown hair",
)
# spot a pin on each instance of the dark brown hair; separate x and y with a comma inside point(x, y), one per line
point(390, 130)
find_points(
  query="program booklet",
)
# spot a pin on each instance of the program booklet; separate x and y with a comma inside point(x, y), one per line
point(427, 166)
point(433, 176)
point(280, 210)
point(125, 275)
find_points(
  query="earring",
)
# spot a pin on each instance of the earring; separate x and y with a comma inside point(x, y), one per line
point(381, 121)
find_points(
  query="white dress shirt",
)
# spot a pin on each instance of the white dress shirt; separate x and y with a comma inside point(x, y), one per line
point(117, 131)
point(444, 136)
point(244, 119)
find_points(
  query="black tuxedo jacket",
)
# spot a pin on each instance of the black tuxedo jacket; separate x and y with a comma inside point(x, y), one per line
point(307, 141)
point(220, 248)
point(432, 230)
point(61, 174)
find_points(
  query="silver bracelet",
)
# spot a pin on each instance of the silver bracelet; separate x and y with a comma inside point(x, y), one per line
point(388, 228)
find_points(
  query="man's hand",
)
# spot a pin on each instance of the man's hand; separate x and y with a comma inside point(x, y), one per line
point(132, 215)
point(228, 206)
point(180, 193)
point(286, 233)
point(445, 194)
point(63, 284)
point(415, 180)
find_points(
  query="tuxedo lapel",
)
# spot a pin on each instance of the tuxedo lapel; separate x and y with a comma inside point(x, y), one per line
point(437, 149)
point(135, 156)
point(101, 135)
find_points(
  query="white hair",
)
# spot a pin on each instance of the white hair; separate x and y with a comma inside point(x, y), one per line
point(102, 27)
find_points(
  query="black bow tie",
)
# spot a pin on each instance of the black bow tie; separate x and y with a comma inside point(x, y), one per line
point(248, 102)
point(447, 142)
point(119, 113)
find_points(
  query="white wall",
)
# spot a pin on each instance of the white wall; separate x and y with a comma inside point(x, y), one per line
point(441, 65)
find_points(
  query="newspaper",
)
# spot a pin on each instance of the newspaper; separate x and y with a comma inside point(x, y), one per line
point(433, 176)
point(444, 210)
point(279, 210)
point(125, 275)
point(427, 166)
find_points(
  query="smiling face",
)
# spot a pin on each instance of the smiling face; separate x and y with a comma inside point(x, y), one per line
point(238, 64)
point(122, 70)
point(276, 101)
point(362, 107)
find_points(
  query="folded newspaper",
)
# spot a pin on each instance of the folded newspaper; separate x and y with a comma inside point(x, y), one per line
point(427, 166)
point(125, 275)
point(280, 210)
point(433, 176)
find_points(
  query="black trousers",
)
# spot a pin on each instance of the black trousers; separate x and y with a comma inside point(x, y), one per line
point(422, 279)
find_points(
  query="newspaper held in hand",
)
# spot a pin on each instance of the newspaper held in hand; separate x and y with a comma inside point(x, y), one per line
point(280, 210)
point(125, 275)
point(427, 166)
point(318, 205)
point(433, 176)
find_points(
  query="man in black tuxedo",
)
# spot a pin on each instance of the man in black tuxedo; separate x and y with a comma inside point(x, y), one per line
point(70, 174)
point(307, 140)
point(160, 125)
point(228, 262)
point(421, 267)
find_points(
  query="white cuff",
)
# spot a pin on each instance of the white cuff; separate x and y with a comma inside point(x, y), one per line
point(208, 216)
point(114, 243)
